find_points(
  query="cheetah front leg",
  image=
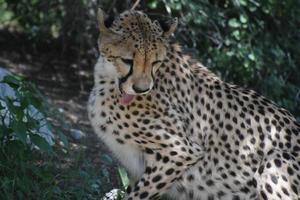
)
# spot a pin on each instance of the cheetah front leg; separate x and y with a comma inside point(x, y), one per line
point(163, 167)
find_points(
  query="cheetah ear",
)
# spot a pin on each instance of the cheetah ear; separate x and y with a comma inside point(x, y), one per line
point(104, 23)
point(168, 27)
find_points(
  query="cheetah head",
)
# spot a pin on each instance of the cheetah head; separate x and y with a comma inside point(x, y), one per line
point(136, 46)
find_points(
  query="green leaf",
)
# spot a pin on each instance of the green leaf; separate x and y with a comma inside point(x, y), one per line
point(1, 106)
point(251, 56)
point(15, 146)
point(243, 2)
point(243, 19)
point(19, 129)
point(35, 101)
point(32, 123)
point(236, 34)
point(106, 158)
point(2, 130)
point(41, 143)
point(234, 23)
point(63, 138)
point(120, 195)
point(153, 4)
point(24, 103)
point(19, 113)
point(12, 81)
point(124, 177)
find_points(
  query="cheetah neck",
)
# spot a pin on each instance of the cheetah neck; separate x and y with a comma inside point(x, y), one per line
point(186, 86)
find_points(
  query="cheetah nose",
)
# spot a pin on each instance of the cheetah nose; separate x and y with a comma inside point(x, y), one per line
point(142, 84)
point(140, 90)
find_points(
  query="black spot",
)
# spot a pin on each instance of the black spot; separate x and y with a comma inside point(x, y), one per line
point(158, 156)
point(224, 137)
point(263, 194)
point(274, 179)
point(209, 182)
point(190, 177)
point(269, 188)
point(219, 104)
point(277, 163)
point(148, 170)
point(156, 178)
point(160, 185)
point(166, 159)
point(284, 190)
point(169, 171)
point(148, 151)
point(144, 195)
point(294, 188)
point(235, 197)
point(228, 127)
point(245, 190)
point(210, 197)
point(128, 190)
point(220, 194)
point(261, 169)
point(146, 121)
point(290, 171)
point(120, 141)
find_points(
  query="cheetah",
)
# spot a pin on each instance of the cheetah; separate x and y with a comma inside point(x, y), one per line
point(181, 131)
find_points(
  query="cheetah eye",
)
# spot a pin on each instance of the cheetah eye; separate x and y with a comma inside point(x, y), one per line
point(156, 65)
point(127, 61)
point(156, 62)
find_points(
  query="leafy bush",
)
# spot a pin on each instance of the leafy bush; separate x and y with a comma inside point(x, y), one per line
point(25, 133)
point(23, 116)
point(32, 163)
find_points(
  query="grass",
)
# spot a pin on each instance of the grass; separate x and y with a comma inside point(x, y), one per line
point(35, 175)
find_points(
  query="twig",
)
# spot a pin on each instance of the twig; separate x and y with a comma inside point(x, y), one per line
point(137, 2)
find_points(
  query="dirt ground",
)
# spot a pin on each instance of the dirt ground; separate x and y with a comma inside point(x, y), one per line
point(66, 83)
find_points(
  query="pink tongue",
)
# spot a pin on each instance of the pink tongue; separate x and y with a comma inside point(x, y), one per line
point(126, 98)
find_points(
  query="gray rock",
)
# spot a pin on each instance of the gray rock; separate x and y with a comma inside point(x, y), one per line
point(77, 134)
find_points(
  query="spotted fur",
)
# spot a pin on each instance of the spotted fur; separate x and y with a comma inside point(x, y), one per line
point(190, 136)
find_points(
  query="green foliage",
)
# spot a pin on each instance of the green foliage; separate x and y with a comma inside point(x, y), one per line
point(22, 115)
point(83, 180)
point(39, 21)
point(24, 175)
point(64, 25)
point(21, 176)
